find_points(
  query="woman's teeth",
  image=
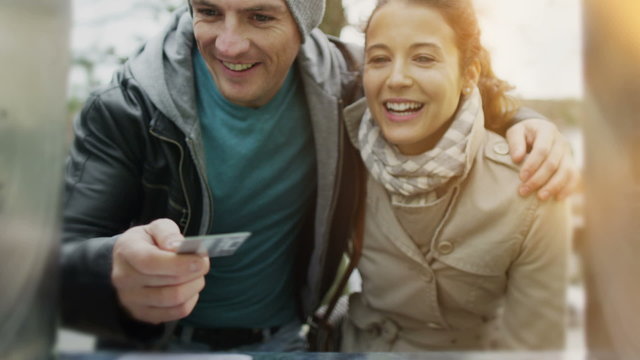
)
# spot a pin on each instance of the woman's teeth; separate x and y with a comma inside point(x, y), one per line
point(403, 107)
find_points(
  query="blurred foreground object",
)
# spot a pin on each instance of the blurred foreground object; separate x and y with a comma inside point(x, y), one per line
point(612, 177)
point(34, 58)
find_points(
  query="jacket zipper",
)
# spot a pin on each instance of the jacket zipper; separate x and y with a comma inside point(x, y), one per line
point(180, 164)
point(207, 189)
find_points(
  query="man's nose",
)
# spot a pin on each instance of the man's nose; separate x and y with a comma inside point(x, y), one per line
point(231, 42)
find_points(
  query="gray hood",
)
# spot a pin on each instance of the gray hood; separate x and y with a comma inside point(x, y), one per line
point(165, 63)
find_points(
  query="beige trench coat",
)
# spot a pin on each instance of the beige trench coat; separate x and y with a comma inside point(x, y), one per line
point(492, 276)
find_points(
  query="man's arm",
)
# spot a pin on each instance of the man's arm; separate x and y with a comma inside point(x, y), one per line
point(110, 283)
point(548, 168)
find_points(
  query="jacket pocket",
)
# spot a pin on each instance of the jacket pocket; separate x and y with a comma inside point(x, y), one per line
point(471, 276)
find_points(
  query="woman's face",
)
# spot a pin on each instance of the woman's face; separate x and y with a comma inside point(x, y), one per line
point(412, 76)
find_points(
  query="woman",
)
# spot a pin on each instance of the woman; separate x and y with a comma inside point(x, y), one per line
point(453, 258)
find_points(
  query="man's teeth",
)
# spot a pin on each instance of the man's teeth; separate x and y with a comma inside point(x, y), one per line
point(238, 67)
point(403, 107)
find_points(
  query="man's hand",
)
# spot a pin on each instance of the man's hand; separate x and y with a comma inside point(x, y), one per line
point(549, 167)
point(153, 283)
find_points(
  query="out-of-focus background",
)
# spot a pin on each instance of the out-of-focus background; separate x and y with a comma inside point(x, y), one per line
point(575, 61)
point(536, 45)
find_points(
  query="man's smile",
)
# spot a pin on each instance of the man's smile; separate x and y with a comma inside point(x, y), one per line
point(238, 67)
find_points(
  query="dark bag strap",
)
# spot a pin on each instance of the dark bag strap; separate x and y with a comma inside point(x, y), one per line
point(354, 256)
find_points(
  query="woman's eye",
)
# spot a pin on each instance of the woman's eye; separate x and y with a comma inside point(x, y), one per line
point(424, 59)
point(377, 60)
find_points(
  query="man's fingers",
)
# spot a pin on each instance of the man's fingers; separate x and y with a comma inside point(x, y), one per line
point(544, 173)
point(535, 136)
point(157, 315)
point(165, 233)
point(567, 189)
point(147, 259)
point(162, 263)
point(156, 281)
point(559, 180)
point(152, 282)
point(545, 152)
point(548, 169)
point(517, 141)
point(127, 277)
point(570, 182)
point(164, 296)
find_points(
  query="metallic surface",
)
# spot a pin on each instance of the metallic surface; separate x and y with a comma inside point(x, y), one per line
point(34, 59)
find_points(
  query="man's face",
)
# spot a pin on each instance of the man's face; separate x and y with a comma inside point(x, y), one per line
point(248, 45)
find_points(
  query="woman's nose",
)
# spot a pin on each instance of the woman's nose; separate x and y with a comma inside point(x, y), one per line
point(399, 76)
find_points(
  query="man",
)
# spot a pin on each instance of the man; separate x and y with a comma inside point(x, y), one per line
point(229, 121)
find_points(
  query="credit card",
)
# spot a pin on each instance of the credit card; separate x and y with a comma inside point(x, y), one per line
point(214, 245)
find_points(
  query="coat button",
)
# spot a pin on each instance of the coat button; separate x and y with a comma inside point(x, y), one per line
point(427, 276)
point(501, 148)
point(445, 248)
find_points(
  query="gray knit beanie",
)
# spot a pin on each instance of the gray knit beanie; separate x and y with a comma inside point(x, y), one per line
point(307, 14)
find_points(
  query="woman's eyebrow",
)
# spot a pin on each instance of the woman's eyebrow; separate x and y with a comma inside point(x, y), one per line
point(383, 46)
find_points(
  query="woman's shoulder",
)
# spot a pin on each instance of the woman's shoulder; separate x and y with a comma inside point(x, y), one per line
point(491, 217)
point(493, 169)
point(494, 180)
point(495, 153)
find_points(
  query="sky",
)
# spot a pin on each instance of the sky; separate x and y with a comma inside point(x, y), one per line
point(535, 44)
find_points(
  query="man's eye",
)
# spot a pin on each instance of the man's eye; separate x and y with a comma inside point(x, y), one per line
point(208, 12)
point(262, 18)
